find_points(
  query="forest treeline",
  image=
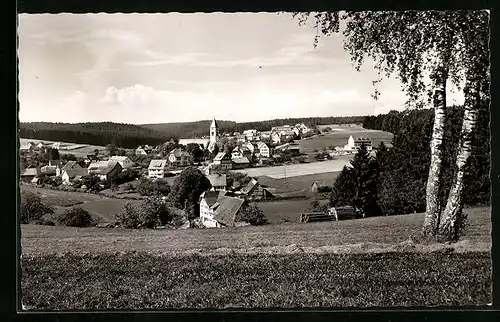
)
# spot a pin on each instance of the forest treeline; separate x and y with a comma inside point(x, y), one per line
point(131, 136)
point(398, 176)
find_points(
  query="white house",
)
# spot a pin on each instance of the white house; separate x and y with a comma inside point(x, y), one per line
point(250, 135)
point(125, 162)
point(219, 210)
point(69, 174)
point(275, 137)
point(264, 150)
point(178, 157)
point(157, 168)
point(355, 144)
point(70, 165)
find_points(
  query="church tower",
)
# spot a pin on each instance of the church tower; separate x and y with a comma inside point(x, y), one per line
point(214, 131)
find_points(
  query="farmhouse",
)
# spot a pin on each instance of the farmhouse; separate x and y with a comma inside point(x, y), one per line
point(218, 181)
point(70, 165)
point(69, 175)
point(143, 150)
point(254, 191)
point(293, 148)
point(320, 186)
point(124, 162)
point(207, 201)
point(223, 160)
point(354, 144)
point(240, 163)
point(30, 173)
point(250, 135)
point(106, 170)
point(178, 157)
point(157, 168)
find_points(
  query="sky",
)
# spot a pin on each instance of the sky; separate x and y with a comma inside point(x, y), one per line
point(160, 68)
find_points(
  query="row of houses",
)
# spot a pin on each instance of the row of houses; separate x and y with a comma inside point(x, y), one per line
point(38, 147)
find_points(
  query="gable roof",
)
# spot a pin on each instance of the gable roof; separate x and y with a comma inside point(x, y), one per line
point(241, 160)
point(227, 210)
point(157, 164)
point(210, 197)
point(106, 170)
point(118, 158)
point(249, 187)
point(72, 173)
point(178, 153)
point(217, 180)
point(99, 164)
point(71, 165)
point(49, 169)
point(30, 172)
point(220, 156)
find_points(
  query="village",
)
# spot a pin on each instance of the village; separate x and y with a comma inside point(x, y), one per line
point(219, 157)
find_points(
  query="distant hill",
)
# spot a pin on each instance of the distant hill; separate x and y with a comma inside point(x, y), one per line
point(200, 128)
point(122, 135)
point(131, 136)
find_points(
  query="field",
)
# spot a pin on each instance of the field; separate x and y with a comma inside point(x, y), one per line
point(301, 169)
point(361, 263)
point(363, 233)
point(79, 150)
point(339, 138)
point(300, 185)
point(143, 281)
point(289, 210)
point(101, 208)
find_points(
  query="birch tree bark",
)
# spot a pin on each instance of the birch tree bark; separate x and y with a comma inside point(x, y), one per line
point(432, 212)
point(453, 209)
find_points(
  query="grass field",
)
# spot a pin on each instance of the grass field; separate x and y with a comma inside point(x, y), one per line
point(301, 169)
point(358, 263)
point(101, 208)
point(143, 281)
point(289, 210)
point(298, 184)
point(39, 240)
point(339, 138)
point(79, 150)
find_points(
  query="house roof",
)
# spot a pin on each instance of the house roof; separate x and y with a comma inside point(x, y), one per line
point(157, 164)
point(217, 180)
point(111, 166)
point(249, 187)
point(260, 145)
point(227, 210)
point(241, 160)
point(71, 165)
point(210, 197)
point(72, 173)
point(30, 172)
point(99, 164)
point(220, 156)
point(178, 153)
point(118, 158)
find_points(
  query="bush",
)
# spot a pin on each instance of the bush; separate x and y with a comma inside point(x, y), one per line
point(153, 212)
point(32, 208)
point(75, 217)
point(147, 187)
point(126, 176)
point(128, 217)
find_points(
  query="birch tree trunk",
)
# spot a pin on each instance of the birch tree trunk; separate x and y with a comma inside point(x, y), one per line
point(453, 210)
point(432, 212)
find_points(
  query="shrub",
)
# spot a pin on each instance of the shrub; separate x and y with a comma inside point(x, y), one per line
point(32, 208)
point(75, 217)
point(154, 212)
point(128, 217)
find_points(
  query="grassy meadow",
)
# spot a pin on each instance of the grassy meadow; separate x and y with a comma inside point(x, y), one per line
point(79, 150)
point(353, 263)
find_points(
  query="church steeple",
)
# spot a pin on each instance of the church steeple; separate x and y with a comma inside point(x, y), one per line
point(214, 131)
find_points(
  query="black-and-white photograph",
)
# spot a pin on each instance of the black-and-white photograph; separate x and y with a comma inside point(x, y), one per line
point(271, 160)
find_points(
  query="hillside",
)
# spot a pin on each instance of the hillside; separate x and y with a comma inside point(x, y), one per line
point(101, 134)
point(200, 128)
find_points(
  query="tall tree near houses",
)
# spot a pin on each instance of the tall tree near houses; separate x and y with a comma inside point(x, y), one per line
point(404, 44)
point(475, 36)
